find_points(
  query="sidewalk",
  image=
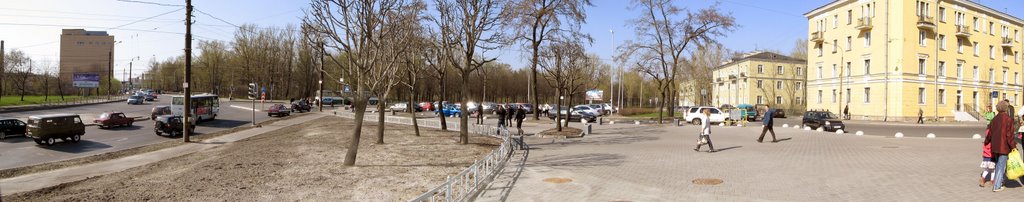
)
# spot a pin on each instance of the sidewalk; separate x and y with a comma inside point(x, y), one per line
point(56, 177)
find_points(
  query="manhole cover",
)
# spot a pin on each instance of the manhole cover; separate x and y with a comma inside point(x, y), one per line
point(707, 181)
point(890, 147)
point(558, 180)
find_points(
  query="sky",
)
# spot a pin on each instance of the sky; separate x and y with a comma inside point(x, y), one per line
point(34, 26)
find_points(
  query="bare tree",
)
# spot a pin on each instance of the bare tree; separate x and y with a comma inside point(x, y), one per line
point(360, 31)
point(559, 58)
point(537, 22)
point(799, 49)
point(665, 32)
point(700, 66)
point(475, 31)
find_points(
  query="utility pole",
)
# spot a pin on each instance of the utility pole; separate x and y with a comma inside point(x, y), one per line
point(320, 93)
point(3, 68)
point(611, 74)
point(187, 130)
point(110, 72)
point(130, 75)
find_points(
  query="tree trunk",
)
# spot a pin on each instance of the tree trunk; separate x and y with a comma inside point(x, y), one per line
point(661, 107)
point(533, 81)
point(558, 109)
point(440, 104)
point(568, 103)
point(412, 106)
point(360, 109)
point(463, 119)
point(380, 119)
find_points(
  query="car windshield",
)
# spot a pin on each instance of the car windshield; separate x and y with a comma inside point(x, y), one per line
point(136, 97)
point(828, 115)
point(104, 115)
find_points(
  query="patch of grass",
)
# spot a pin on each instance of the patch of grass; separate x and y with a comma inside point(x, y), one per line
point(15, 100)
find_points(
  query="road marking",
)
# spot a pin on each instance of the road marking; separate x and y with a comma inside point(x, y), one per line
point(245, 108)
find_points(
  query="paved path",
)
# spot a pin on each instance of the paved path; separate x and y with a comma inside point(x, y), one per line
point(651, 163)
point(51, 178)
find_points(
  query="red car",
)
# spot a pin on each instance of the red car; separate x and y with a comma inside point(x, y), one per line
point(427, 106)
point(111, 119)
point(279, 110)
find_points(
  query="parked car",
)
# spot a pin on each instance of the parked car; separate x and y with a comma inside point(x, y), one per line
point(11, 127)
point(693, 115)
point(545, 108)
point(135, 100)
point(572, 115)
point(278, 110)
point(761, 109)
point(159, 110)
point(301, 106)
point(112, 119)
point(46, 129)
point(526, 107)
point(489, 107)
point(748, 111)
point(452, 110)
point(823, 119)
point(599, 108)
point(171, 125)
point(150, 96)
point(428, 106)
point(404, 107)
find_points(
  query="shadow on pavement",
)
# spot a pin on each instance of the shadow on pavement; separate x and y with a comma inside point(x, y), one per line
point(222, 123)
point(16, 139)
point(581, 160)
point(79, 147)
point(785, 139)
point(728, 148)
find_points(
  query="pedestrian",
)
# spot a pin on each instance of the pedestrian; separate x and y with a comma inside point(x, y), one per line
point(846, 112)
point(520, 115)
point(705, 132)
point(769, 122)
point(480, 114)
point(501, 116)
point(511, 114)
point(1001, 137)
point(987, 165)
point(989, 114)
point(920, 116)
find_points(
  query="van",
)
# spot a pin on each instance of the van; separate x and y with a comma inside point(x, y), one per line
point(46, 129)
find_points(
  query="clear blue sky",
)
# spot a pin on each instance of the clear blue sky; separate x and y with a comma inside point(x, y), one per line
point(34, 26)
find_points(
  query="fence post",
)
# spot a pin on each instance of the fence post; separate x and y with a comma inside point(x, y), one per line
point(448, 191)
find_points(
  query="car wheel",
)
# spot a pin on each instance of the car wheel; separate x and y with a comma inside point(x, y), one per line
point(38, 141)
point(50, 141)
point(130, 123)
point(3, 135)
point(696, 122)
point(76, 138)
point(157, 132)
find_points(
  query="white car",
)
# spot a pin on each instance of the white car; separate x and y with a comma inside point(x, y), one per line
point(587, 108)
point(693, 115)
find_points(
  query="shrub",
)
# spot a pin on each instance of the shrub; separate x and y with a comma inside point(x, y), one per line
point(635, 111)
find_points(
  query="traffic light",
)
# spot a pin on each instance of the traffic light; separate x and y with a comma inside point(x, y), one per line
point(253, 91)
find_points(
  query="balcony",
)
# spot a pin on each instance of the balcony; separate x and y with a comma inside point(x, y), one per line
point(818, 37)
point(963, 31)
point(864, 24)
point(926, 22)
point(1007, 42)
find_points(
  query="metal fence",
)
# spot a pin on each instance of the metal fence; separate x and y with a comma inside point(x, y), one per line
point(466, 184)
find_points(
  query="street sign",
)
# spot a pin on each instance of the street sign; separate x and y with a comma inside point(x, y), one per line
point(994, 94)
point(86, 80)
point(347, 89)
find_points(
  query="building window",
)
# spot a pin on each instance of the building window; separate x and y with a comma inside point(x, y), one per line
point(778, 84)
point(942, 41)
point(799, 85)
point(1004, 76)
point(976, 76)
point(959, 45)
point(867, 67)
point(921, 96)
point(867, 95)
point(942, 69)
point(991, 52)
point(834, 96)
point(835, 21)
point(759, 100)
point(780, 69)
point(942, 14)
point(959, 70)
point(834, 71)
point(921, 66)
point(942, 96)
point(991, 75)
point(921, 38)
point(848, 95)
point(977, 49)
point(819, 96)
point(760, 69)
point(799, 101)
point(778, 100)
point(848, 68)
point(819, 71)
point(991, 28)
point(799, 71)
point(1016, 80)
point(835, 45)
point(759, 84)
point(867, 39)
point(976, 24)
point(849, 42)
point(849, 17)
point(820, 51)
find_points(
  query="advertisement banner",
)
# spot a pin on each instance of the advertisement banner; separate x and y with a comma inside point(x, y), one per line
point(595, 95)
point(86, 80)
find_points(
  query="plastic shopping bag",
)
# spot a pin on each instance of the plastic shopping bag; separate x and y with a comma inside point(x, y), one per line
point(1014, 165)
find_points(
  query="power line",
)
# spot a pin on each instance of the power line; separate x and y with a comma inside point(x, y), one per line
point(151, 3)
point(216, 18)
point(144, 19)
point(73, 13)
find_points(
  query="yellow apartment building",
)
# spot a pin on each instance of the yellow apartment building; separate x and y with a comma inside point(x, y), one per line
point(84, 51)
point(891, 59)
point(761, 78)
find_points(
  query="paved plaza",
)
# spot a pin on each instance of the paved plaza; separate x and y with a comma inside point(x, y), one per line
point(657, 163)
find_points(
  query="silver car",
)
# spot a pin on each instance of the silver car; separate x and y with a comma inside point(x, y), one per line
point(135, 100)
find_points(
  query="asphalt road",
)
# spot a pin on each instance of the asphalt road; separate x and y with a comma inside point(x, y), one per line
point(890, 129)
point(22, 151)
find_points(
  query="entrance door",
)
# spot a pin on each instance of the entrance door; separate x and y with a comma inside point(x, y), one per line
point(959, 100)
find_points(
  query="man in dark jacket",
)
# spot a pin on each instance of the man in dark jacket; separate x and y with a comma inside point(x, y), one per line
point(520, 115)
point(1000, 135)
point(769, 121)
point(480, 113)
point(501, 116)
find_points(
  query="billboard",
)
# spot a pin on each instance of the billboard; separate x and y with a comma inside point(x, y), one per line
point(595, 95)
point(86, 80)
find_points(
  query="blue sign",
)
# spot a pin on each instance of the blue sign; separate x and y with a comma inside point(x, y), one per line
point(347, 89)
point(264, 89)
point(995, 94)
point(86, 80)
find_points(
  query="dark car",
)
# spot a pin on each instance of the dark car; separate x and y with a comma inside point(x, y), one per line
point(112, 119)
point(823, 119)
point(574, 115)
point(11, 127)
point(158, 111)
point(780, 113)
point(170, 125)
point(301, 106)
point(278, 110)
point(150, 97)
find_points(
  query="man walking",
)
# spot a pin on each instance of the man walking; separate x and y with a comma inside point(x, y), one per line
point(846, 112)
point(480, 114)
point(769, 121)
point(520, 115)
point(705, 132)
point(501, 116)
point(920, 116)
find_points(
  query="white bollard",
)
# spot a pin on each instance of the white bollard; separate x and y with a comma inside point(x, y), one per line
point(611, 122)
point(976, 136)
point(636, 122)
point(785, 125)
point(721, 124)
point(859, 133)
point(840, 132)
point(807, 128)
point(899, 135)
point(821, 129)
point(485, 118)
point(583, 121)
point(931, 135)
point(796, 126)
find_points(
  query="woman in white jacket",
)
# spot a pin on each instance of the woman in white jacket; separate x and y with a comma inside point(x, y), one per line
point(705, 132)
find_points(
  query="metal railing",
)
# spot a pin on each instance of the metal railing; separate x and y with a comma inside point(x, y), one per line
point(470, 181)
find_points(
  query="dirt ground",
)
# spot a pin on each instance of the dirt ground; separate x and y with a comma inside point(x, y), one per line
point(301, 162)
